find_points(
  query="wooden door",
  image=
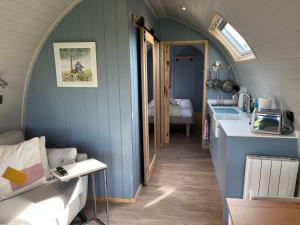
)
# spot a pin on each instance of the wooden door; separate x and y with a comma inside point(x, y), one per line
point(150, 99)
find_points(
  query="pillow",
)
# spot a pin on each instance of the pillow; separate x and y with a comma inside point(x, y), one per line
point(44, 157)
point(21, 168)
point(151, 104)
point(173, 102)
point(61, 156)
point(11, 137)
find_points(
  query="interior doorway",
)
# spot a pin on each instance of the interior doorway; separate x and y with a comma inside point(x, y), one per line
point(183, 78)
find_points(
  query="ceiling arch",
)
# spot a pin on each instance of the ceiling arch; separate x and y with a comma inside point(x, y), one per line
point(25, 25)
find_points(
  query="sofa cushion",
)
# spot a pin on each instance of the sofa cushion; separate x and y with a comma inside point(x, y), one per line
point(11, 137)
point(61, 156)
point(16, 136)
point(21, 168)
point(55, 203)
point(44, 157)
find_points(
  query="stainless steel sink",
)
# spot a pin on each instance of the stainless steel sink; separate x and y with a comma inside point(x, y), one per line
point(225, 110)
point(224, 105)
point(226, 116)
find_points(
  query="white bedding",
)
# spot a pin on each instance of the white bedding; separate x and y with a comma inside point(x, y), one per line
point(181, 108)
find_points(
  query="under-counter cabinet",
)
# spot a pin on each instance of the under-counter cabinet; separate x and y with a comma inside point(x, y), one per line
point(228, 152)
point(231, 159)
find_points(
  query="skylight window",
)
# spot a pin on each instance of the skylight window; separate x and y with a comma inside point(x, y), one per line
point(231, 39)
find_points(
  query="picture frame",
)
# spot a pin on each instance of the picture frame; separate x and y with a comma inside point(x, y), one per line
point(76, 64)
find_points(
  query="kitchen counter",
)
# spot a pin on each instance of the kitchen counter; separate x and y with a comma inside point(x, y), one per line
point(241, 127)
point(231, 140)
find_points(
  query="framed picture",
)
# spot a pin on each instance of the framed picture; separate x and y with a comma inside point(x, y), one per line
point(76, 64)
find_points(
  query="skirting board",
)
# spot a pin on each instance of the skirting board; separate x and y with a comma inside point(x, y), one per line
point(119, 200)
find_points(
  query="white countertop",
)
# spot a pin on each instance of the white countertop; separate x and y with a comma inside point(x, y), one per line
point(241, 127)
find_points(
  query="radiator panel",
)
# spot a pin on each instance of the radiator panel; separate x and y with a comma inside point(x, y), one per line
point(275, 178)
point(270, 176)
point(265, 174)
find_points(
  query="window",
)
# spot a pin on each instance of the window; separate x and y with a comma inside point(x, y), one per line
point(231, 39)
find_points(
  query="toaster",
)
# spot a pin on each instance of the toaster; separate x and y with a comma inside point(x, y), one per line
point(266, 121)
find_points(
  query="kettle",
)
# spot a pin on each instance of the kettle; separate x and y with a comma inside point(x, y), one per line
point(240, 95)
point(243, 101)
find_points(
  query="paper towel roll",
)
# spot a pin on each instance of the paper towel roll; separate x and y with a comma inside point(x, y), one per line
point(264, 103)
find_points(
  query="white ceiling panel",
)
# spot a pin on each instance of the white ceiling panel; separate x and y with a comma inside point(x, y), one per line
point(23, 26)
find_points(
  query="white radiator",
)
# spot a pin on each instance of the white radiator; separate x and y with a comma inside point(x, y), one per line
point(270, 176)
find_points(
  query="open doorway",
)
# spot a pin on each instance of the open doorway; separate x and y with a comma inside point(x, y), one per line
point(184, 72)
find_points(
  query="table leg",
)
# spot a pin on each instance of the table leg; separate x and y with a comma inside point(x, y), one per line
point(106, 197)
point(94, 195)
point(95, 218)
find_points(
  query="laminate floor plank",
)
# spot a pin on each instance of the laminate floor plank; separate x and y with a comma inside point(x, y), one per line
point(183, 189)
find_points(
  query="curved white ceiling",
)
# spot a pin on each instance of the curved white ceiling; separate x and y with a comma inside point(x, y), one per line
point(24, 26)
point(270, 26)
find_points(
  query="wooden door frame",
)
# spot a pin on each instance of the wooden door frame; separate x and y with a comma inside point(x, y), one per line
point(164, 86)
point(145, 37)
point(205, 75)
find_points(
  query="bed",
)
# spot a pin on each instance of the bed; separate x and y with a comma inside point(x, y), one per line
point(180, 112)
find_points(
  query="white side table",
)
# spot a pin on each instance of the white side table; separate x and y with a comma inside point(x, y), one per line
point(83, 168)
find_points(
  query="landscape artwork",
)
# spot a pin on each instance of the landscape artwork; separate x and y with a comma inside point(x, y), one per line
point(76, 64)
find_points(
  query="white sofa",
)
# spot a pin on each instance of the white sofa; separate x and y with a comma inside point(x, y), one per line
point(56, 203)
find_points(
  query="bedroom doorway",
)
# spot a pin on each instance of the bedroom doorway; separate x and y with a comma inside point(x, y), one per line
point(183, 96)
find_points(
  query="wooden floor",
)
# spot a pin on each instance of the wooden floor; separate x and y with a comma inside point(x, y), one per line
point(182, 191)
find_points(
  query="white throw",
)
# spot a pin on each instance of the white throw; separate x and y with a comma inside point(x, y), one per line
point(183, 107)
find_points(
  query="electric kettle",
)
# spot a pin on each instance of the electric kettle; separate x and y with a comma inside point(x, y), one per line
point(243, 101)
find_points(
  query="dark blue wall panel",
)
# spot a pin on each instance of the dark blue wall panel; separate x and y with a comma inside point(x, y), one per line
point(187, 75)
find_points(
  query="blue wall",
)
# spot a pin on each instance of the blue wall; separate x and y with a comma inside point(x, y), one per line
point(171, 30)
point(97, 121)
point(186, 75)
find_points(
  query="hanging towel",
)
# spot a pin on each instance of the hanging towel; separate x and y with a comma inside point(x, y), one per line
point(206, 130)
